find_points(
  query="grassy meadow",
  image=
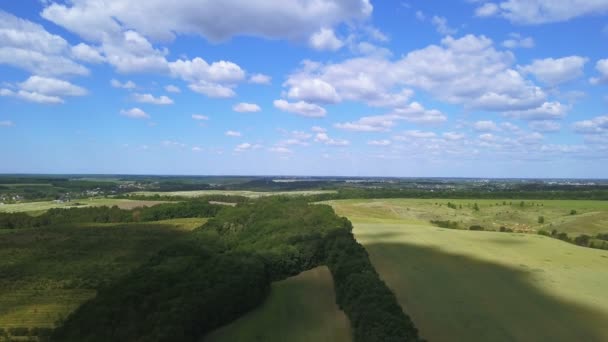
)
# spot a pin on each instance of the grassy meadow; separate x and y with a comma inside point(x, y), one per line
point(47, 273)
point(245, 193)
point(40, 207)
point(462, 285)
point(300, 309)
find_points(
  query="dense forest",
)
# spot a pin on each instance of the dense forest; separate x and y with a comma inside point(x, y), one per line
point(225, 268)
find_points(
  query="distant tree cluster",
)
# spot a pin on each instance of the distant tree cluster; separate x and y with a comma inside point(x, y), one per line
point(599, 241)
point(446, 224)
point(192, 208)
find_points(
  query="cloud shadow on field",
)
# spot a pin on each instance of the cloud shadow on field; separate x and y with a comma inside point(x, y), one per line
point(452, 297)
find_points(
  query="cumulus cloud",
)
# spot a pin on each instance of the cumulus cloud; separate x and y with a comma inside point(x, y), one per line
point(27, 45)
point(542, 11)
point(45, 90)
point(280, 149)
point(555, 71)
point(126, 85)
point(597, 125)
point(135, 113)
point(375, 123)
point(172, 89)
point(290, 19)
point(260, 79)
point(384, 142)
point(200, 117)
point(547, 111)
point(468, 71)
point(517, 41)
point(301, 108)
point(149, 98)
point(246, 147)
point(87, 53)
point(245, 107)
point(312, 90)
point(324, 138)
point(602, 67)
point(442, 27)
point(545, 126)
point(233, 134)
point(325, 39)
point(485, 126)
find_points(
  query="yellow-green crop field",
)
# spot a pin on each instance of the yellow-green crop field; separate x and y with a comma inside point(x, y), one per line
point(40, 207)
point(299, 309)
point(250, 194)
point(460, 285)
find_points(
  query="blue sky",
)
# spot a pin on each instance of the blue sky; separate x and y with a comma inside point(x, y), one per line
point(512, 88)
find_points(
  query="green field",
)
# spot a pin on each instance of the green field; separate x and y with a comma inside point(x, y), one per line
point(591, 216)
point(250, 194)
point(40, 207)
point(46, 273)
point(486, 286)
point(300, 309)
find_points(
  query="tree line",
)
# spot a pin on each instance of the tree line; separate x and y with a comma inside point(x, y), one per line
point(224, 269)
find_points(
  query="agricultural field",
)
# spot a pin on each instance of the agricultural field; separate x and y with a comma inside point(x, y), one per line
point(250, 194)
point(300, 309)
point(591, 217)
point(460, 285)
point(40, 207)
point(47, 273)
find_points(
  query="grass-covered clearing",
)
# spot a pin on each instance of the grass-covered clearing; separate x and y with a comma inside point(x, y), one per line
point(487, 286)
point(46, 273)
point(39, 207)
point(250, 194)
point(300, 308)
point(591, 216)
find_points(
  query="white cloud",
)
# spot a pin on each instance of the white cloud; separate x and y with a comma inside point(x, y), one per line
point(245, 107)
point(149, 98)
point(51, 86)
point(325, 39)
point(31, 96)
point(545, 126)
point(126, 85)
point(44, 90)
point(376, 123)
point(131, 52)
point(301, 108)
point(86, 53)
point(441, 25)
point(260, 79)
point(197, 149)
point(289, 19)
point(318, 129)
point(280, 149)
point(453, 136)
point(27, 45)
point(602, 67)
point(384, 142)
point(415, 134)
point(597, 125)
point(6, 123)
point(200, 117)
point(468, 71)
point(554, 71)
point(135, 113)
point(212, 89)
point(486, 10)
point(485, 126)
point(323, 137)
point(246, 147)
point(548, 11)
point(547, 111)
point(517, 41)
point(312, 90)
point(233, 133)
point(172, 89)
